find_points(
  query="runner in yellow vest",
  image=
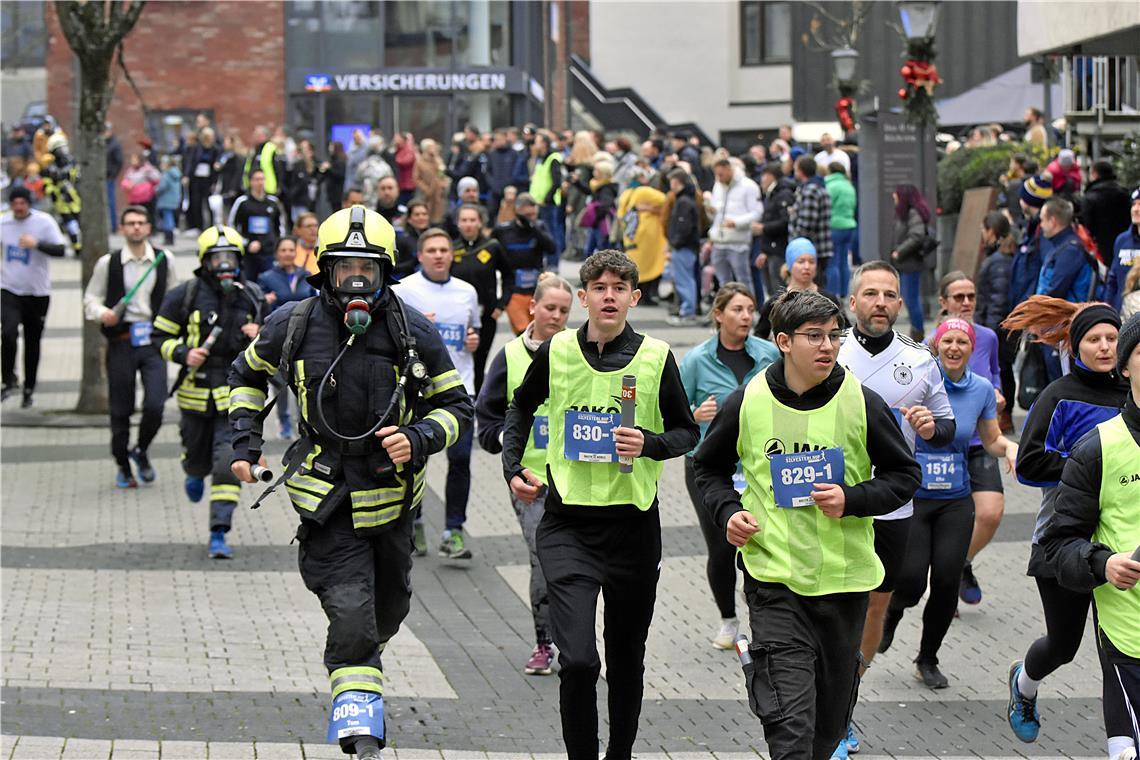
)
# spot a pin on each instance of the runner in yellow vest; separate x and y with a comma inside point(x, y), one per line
point(1093, 536)
point(601, 530)
point(549, 310)
point(808, 436)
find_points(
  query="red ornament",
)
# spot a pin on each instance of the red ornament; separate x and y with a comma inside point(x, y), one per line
point(902, 93)
point(905, 71)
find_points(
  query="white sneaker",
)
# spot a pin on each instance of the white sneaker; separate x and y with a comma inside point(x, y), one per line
point(1126, 754)
point(726, 638)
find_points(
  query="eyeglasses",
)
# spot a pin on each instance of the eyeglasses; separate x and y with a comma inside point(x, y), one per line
point(960, 297)
point(815, 337)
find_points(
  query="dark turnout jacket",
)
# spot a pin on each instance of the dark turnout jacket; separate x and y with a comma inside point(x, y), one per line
point(1078, 562)
point(897, 475)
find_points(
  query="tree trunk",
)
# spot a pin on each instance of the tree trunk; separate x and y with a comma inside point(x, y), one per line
point(93, 222)
point(94, 32)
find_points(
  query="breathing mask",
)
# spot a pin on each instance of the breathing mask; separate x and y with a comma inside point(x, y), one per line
point(354, 283)
point(223, 264)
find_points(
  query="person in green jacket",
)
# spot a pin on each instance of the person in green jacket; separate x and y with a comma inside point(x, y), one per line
point(844, 228)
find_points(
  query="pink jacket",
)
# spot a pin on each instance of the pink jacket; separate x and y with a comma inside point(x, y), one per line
point(140, 183)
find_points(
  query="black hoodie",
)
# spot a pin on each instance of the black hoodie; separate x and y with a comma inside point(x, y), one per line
point(897, 474)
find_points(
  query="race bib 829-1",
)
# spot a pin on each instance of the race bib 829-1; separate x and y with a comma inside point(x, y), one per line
point(793, 475)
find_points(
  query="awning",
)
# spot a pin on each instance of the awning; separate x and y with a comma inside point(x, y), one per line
point(1002, 99)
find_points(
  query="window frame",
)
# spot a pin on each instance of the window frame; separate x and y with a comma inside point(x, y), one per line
point(764, 58)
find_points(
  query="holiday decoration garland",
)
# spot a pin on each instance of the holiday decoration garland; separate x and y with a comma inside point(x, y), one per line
point(921, 77)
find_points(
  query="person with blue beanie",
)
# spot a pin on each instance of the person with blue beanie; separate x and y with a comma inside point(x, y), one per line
point(798, 273)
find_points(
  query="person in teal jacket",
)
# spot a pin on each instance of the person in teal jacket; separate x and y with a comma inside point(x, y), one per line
point(709, 373)
point(844, 228)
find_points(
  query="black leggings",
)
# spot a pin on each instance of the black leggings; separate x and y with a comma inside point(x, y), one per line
point(939, 538)
point(1008, 343)
point(1065, 615)
point(721, 565)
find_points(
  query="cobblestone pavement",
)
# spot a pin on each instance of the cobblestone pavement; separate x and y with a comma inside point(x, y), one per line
point(121, 640)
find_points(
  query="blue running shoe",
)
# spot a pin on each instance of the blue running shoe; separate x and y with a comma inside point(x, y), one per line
point(195, 487)
point(219, 549)
point(968, 589)
point(142, 461)
point(852, 739)
point(1023, 717)
point(124, 479)
point(840, 752)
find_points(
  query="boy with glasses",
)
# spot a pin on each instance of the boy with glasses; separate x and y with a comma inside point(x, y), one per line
point(808, 437)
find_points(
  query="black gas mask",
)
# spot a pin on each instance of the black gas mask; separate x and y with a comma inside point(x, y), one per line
point(225, 265)
point(355, 283)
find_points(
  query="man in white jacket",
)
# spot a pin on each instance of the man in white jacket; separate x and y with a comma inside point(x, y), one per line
point(735, 206)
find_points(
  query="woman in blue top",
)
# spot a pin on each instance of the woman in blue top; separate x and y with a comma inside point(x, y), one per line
point(943, 508)
point(709, 373)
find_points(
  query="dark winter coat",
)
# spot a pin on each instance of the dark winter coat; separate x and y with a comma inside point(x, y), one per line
point(684, 230)
point(777, 201)
point(1105, 211)
point(993, 289)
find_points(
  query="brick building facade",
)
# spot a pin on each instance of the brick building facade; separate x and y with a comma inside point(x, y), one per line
point(226, 58)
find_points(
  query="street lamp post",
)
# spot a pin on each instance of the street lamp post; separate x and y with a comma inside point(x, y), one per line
point(919, 18)
point(844, 60)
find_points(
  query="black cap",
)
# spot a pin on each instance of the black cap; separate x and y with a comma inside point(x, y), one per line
point(1126, 343)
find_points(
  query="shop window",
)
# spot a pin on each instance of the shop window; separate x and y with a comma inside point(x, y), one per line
point(446, 34)
point(765, 32)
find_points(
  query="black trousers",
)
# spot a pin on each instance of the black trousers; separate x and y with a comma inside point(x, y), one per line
point(1121, 719)
point(206, 451)
point(804, 677)
point(1007, 354)
point(1065, 614)
point(31, 312)
point(487, 330)
point(198, 214)
point(124, 362)
point(940, 534)
point(721, 564)
point(622, 559)
point(364, 584)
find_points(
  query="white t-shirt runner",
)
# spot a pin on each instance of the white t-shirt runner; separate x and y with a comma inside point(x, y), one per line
point(905, 374)
point(453, 306)
point(25, 271)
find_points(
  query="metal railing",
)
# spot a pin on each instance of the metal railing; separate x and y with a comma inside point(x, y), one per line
point(1101, 85)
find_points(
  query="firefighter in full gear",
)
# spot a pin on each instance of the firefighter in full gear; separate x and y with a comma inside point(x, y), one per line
point(203, 324)
point(61, 175)
point(378, 395)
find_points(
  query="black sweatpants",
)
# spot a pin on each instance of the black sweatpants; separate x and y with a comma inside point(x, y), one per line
point(1008, 343)
point(487, 329)
point(1124, 671)
point(1065, 614)
point(804, 677)
point(124, 361)
point(206, 451)
point(721, 564)
point(940, 532)
point(31, 312)
point(622, 559)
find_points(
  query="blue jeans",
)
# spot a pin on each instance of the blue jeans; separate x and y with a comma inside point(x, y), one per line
point(912, 296)
point(685, 281)
point(838, 275)
point(555, 221)
point(112, 205)
point(167, 223)
point(1053, 369)
point(458, 486)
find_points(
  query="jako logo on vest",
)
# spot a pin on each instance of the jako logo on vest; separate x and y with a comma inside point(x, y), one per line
point(615, 409)
point(1125, 480)
point(775, 446)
